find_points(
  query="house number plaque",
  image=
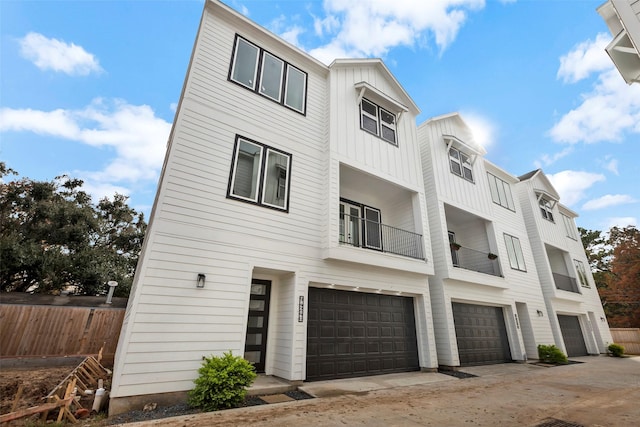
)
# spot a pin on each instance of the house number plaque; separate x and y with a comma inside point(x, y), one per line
point(301, 309)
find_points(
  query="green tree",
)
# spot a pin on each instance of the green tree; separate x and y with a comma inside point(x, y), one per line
point(615, 262)
point(53, 237)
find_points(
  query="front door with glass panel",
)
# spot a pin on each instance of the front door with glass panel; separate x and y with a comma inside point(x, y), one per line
point(349, 224)
point(256, 340)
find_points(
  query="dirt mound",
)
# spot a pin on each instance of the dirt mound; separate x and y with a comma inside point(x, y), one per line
point(37, 383)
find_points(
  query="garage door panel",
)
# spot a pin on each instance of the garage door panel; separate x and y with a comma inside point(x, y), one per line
point(572, 336)
point(480, 334)
point(373, 334)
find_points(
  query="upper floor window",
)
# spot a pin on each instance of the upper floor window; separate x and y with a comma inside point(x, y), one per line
point(582, 273)
point(570, 227)
point(501, 192)
point(546, 209)
point(460, 164)
point(378, 121)
point(514, 250)
point(260, 174)
point(264, 73)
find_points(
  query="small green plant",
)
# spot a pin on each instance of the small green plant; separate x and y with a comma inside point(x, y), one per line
point(616, 350)
point(222, 383)
point(551, 354)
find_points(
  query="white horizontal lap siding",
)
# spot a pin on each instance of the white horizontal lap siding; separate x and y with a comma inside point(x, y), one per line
point(208, 83)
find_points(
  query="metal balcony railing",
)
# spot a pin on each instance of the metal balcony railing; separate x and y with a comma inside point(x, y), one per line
point(565, 283)
point(471, 259)
point(363, 233)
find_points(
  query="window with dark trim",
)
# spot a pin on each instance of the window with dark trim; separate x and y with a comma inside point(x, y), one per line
point(264, 73)
point(546, 209)
point(514, 251)
point(259, 174)
point(501, 192)
point(378, 121)
point(460, 164)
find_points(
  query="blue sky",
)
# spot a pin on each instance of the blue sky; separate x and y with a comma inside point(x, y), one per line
point(89, 88)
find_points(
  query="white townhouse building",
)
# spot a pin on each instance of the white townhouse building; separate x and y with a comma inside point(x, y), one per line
point(486, 297)
point(290, 223)
point(303, 221)
point(573, 305)
point(623, 19)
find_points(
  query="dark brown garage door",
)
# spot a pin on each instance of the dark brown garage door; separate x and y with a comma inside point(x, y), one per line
point(572, 335)
point(353, 334)
point(481, 334)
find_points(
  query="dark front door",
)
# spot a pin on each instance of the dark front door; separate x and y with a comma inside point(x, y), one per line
point(481, 334)
point(256, 340)
point(352, 334)
point(572, 335)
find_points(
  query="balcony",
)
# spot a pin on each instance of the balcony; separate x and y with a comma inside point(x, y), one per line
point(371, 234)
point(566, 283)
point(474, 260)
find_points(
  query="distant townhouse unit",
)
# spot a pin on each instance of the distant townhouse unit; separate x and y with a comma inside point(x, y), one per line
point(573, 305)
point(485, 292)
point(303, 221)
point(623, 19)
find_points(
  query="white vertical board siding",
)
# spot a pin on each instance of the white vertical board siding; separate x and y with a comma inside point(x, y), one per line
point(451, 188)
point(349, 141)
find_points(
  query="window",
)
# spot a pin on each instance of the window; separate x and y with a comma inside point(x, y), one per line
point(360, 225)
point(569, 227)
point(260, 174)
point(460, 164)
point(501, 192)
point(514, 250)
point(546, 209)
point(268, 75)
point(582, 273)
point(378, 121)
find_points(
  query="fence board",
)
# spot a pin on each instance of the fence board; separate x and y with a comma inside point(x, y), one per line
point(629, 338)
point(29, 330)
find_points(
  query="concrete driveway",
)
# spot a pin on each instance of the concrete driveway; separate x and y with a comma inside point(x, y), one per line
point(600, 391)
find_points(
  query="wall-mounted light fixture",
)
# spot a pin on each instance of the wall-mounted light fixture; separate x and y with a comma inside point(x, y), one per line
point(602, 319)
point(540, 313)
point(201, 280)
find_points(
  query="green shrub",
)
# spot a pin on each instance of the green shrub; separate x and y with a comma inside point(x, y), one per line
point(551, 354)
point(616, 350)
point(222, 382)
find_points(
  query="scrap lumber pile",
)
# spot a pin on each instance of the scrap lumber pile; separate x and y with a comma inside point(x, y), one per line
point(86, 379)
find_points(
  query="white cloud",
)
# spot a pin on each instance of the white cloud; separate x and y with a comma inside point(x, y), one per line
point(173, 106)
point(291, 35)
point(546, 159)
point(328, 25)
point(620, 222)
point(608, 201)
point(136, 135)
point(611, 165)
point(585, 58)
point(610, 110)
point(371, 28)
point(606, 114)
point(572, 185)
point(56, 55)
point(483, 130)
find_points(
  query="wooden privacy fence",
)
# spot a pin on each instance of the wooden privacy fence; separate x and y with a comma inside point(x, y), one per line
point(629, 338)
point(36, 330)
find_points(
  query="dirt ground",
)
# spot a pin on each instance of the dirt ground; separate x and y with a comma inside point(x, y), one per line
point(602, 391)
